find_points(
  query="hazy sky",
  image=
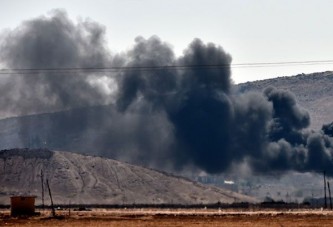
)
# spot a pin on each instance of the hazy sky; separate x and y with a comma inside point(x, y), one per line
point(250, 30)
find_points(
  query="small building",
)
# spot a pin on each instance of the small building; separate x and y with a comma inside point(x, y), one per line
point(22, 205)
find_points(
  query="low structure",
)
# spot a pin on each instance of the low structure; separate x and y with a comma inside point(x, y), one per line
point(22, 205)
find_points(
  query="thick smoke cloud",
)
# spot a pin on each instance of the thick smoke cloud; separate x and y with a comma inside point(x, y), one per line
point(214, 127)
point(48, 43)
point(171, 117)
point(328, 129)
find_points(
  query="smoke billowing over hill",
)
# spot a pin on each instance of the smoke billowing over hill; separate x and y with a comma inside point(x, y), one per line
point(175, 117)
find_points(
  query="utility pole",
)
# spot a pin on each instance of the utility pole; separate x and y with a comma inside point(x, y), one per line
point(42, 181)
point(325, 206)
point(329, 193)
point(52, 207)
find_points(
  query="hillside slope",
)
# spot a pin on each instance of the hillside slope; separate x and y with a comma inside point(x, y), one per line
point(314, 92)
point(80, 179)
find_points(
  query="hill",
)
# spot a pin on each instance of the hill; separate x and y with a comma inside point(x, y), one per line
point(79, 179)
point(314, 92)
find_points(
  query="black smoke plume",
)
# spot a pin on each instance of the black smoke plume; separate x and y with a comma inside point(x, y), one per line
point(328, 129)
point(48, 43)
point(170, 117)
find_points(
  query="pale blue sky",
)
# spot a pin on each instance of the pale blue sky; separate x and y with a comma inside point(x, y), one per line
point(251, 31)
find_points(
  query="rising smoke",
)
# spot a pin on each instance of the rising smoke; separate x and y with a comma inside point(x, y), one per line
point(171, 117)
point(47, 43)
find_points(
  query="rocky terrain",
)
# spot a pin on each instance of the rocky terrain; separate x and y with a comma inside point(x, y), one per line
point(79, 179)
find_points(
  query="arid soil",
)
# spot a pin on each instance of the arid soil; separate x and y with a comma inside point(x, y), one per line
point(147, 217)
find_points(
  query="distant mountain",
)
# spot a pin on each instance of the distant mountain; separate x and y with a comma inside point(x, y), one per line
point(314, 92)
point(80, 129)
point(79, 179)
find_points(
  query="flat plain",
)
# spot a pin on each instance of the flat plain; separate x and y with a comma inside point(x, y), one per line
point(174, 217)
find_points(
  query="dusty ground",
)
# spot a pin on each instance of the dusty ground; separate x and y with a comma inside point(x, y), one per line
point(147, 217)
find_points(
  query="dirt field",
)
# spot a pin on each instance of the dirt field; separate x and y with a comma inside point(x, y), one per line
point(147, 217)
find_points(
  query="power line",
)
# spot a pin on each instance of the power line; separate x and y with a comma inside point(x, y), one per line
point(279, 64)
point(10, 71)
